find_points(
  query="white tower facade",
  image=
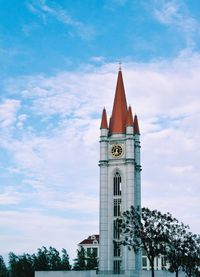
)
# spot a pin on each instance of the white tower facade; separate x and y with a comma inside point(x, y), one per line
point(120, 185)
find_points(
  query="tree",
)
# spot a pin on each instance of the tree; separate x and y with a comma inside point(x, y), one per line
point(176, 246)
point(54, 259)
point(161, 234)
point(21, 266)
point(13, 265)
point(26, 265)
point(80, 261)
point(65, 260)
point(45, 259)
point(3, 268)
point(41, 259)
point(50, 259)
point(183, 250)
point(191, 257)
point(92, 262)
point(145, 229)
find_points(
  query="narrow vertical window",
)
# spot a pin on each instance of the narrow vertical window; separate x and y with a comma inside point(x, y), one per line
point(94, 251)
point(117, 267)
point(117, 207)
point(117, 249)
point(116, 230)
point(88, 251)
point(144, 262)
point(117, 184)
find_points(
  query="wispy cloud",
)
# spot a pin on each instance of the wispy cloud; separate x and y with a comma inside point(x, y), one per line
point(168, 13)
point(26, 224)
point(8, 112)
point(176, 15)
point(27, 29)
point(43, 10)
point(8, 198)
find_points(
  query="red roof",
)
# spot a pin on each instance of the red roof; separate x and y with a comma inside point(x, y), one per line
point(90, 239)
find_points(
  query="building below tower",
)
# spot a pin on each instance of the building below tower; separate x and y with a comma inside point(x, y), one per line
point(91, 244)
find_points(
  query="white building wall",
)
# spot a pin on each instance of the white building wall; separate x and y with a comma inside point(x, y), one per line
point(71, 273)
point(92, 273)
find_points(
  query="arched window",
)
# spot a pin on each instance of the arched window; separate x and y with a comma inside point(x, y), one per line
point(117, 181)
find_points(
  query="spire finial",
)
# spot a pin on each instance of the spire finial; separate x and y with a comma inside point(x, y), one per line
point(120, 66)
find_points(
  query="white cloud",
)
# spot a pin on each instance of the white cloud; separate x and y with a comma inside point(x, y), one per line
point(182, 169)
point(21, 120)
point(168, 13)
point(8, 111)
point(8, 198)
point(97, 59)
point(36, 229)
point(78, 202)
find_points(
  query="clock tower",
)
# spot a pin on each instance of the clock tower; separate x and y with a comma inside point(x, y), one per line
point(120, 185)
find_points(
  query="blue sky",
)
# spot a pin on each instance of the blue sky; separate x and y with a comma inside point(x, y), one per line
point(59, 62)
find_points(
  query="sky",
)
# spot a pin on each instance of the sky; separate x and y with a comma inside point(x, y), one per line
point(58, 69)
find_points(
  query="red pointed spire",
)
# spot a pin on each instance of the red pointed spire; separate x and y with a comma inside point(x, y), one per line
point(136, 126)
point(129, 119)
point(119, 112)
point(104, 124)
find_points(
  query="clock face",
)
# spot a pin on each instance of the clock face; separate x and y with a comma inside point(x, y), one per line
point(116, 150)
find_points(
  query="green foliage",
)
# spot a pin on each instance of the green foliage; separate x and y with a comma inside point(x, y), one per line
point(21, 266)
point(80, 261)
point(65, 265)
point(147, 229)
point(3, 268)
point(54, 259)
point(49, 259)
point(191, 255)
point(183, 250)
point(45, 259)
point(161, 234)
point(41, 259)
point(176, 246)
point(85, 262)
point(92, 262)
